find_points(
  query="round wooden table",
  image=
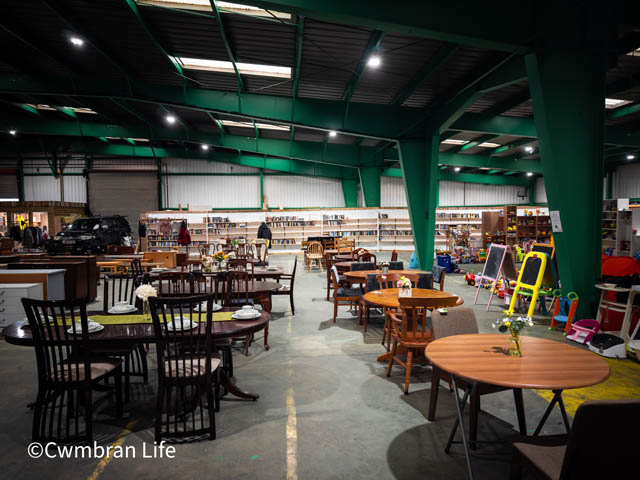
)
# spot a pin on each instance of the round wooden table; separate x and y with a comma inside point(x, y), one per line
point(545, 365)
point(117, 335)
point(360, 276)
point(343, 257)
point(264, 272)
point(388, 298)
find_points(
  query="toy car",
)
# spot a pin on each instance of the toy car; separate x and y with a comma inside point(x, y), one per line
point(470, 278)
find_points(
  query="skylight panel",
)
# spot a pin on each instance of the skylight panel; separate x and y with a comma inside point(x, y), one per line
point(227, 67)
point(611, 103)
point(453, 141)
point(489, 145)
point(223, 7)
point(264, 126)
point(44, 106)
point(127, 139)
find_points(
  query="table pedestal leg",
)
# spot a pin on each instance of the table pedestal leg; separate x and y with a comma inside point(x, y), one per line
point(233, 389)
point(557, 398)
point(460, 404)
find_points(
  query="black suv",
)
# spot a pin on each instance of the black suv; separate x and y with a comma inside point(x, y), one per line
point(90, 235)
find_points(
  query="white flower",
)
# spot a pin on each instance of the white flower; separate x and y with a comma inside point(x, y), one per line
point(143, 292)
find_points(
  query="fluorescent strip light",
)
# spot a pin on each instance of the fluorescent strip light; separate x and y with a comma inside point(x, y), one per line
point(44, 106)
point(263, 126)
point(224, 7)
point(134, 139)
point(610, 103)
point(489, 145)
point(453, 141)
point(227, 67)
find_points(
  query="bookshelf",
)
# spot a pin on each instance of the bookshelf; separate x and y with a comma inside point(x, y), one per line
point(617, 228)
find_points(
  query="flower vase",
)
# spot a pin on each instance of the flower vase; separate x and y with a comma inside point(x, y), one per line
point(404, 292)
point(515, 350)
point(385, 269)
point(146, 310)
point(216, 266)
point(207, 269)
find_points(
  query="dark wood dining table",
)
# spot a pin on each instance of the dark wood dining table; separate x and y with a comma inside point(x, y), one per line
point(134, 334)
point(360, 276)
point(485, 358)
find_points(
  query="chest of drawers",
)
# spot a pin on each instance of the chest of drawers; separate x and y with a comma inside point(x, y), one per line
point(11, 309)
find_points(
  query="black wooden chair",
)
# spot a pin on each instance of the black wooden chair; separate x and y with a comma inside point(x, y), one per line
point(288, 289)
point(68, 373)
point(396, 265)
point(438, 275)
point(344, 296)
point(188, 375)
point(136, 267)
point(175, 284)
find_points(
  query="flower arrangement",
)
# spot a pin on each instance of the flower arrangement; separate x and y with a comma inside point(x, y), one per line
point(219, 256)
point(514, 326)
point(404, 282)
point(144, 292)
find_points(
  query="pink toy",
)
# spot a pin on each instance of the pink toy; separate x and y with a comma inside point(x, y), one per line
point(583, 331)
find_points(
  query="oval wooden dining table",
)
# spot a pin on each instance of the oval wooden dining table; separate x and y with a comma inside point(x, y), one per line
point(485, 358)
point(134, 334)
point(360, 276)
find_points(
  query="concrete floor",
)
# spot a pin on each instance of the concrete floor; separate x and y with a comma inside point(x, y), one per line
point(326, 409)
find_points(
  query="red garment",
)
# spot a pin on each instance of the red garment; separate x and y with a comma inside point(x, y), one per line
point(184, 237)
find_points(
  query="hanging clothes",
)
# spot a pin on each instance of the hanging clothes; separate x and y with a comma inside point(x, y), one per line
point(27, 238)
point(265, 232)
point(184, 237)
point(165, 227)
point(16, 233)
point(142, 230)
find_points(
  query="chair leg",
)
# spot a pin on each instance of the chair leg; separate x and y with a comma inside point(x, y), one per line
point(366, 318)
point(212, 413)
point(516, 466)
point(247, 341)
point(474, 411)
point(118, 381)
point(293, 308)
point(335, 310)
point(143, 362)
point(433, 396)
point(127, 377)
point(385, 330)
point(328, 288)
point(88, 415)
point(159, 404)
point(519, 401)
point(407, 373)
point(37, 416)
point(391, 357)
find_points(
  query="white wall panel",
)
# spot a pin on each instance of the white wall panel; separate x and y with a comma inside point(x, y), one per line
point(481, 194)
point(179, 165)
point(541, 191)
point(225, 191)
point(392, 192)
point(297, 191)
point(75, 188)
point(451, 193)
point(360, 197)
point(41, 188)
point(626, 181)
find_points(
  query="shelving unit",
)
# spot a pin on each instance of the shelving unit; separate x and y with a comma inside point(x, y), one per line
point(617, 236)
point(291, 231)
point(394, 231)
point(533, 224)
point(448, 219)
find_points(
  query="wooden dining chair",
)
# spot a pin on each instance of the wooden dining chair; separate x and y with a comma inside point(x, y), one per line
point(188, 374)
point(68, 373)
point(461, 321)
point(356, 252)
point(315, 254)
point(205, 249)
point(368, 257)
point(410, 330)
point(287, 289)
point(390, 280)
point(396, 265)
point(344, 296)
point(394, 256)
point(136, 267)
point(438, 275)
point(242, 264)
point(342, 281)
point(261, 251)
point(175, 284)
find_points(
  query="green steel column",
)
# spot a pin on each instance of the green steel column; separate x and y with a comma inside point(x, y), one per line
point(370, 181)
point(567, 90)
point(419, 162)
point(350, 190)
point(261, 188)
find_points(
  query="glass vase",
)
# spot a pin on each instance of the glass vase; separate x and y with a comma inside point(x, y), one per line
point(146, 310)
point(515, 349)
point(404, 292)
point(385, 269)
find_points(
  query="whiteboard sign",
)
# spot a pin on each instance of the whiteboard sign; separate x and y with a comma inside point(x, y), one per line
point(556, 225)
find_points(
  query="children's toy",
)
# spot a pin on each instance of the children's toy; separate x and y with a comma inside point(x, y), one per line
point(470, 278)
point(529, 280)
point(583, 331)
point(564, 310)
point(482, 255)
point(499, 263)
point(608, 345)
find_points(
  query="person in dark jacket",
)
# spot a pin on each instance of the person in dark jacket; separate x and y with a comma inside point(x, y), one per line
point(265, 232)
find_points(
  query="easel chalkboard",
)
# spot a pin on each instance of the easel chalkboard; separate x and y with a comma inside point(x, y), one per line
point(530, 279)
point(551, 272)
point(499, 263)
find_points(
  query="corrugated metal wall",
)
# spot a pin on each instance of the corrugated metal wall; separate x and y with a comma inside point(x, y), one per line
point(178, 165)
point(41, 188)
point(75, 188)
point(392, 192)
point(295, 191)
point(541, 192)
point(626, 181)
point(8, 181)
point(224, 191)
point(451, 193)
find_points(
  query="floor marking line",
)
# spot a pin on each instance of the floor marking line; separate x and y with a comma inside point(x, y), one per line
point(291, 431)
point(104, 461)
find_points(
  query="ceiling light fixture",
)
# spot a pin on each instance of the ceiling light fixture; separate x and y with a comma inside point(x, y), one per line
point(223, 7)
point(374, 61)
point(455, 141)
point(170, 119)
point(262, 126)
point(529, 174)
point(227, 67)
point(528, 149)
point(76, 41)
point(489, 145)
point(630, 157)
point(610, 103)
point(13, 132)
point(457, 169)
point(333, 133)
point(204, 147)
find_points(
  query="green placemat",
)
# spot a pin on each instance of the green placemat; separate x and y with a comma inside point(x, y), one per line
point(140, 319)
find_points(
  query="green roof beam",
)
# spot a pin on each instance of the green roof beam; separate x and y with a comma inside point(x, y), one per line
point(227, 45)
point(484, 179)
point(511, 146)
point(425, 72)
point(623, 111)
point(299, 40)
point(474, 143)
point(67, 111)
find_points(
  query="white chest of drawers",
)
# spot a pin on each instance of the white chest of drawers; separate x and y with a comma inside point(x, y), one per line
point(11, 309)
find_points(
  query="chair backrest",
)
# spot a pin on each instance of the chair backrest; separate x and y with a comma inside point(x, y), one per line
point(335, 278)
point(217, 284)
point(457, 321)
point(182, 353)
point(425, 280)
point(413, 325)
point(315, 248)
point(367, 257)
point(119, 287)
point(389, 280)
point(394, 255)
point(360, 266)
point(371, 282)
point(396, 265)
point(175, 284)
point(205, 249)
point(293, 273)
point(608, 424)
point(261, 250)
point(242, 264)
point(240, 287)
point(136, 267)
point(356, 252)
point(439, 274)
